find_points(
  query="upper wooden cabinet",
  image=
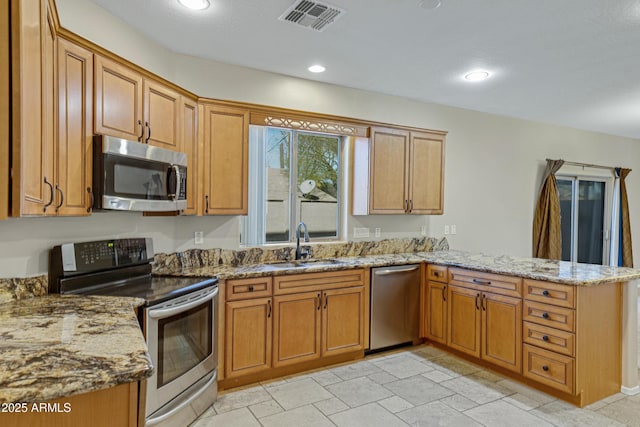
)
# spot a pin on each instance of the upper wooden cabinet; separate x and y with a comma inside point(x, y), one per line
point(397, 171)
point(33, 120)
point(189, 134)
point(118, 103)
point(5, 90)
point(75, 129)
point(134, 107)
point(224, 162)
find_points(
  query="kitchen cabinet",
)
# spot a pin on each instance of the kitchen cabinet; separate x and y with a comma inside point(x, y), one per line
point(248, 336)
point(134, 107)
point(5, 108)
point(73, 177)
point(248, 326)
point(482, 322)
point(118, 102)
point(434, 313)
point(398, 171)
point(115, 406)
point(328, 319)
point(33, 42)
point(224, 160)
point(189, 130)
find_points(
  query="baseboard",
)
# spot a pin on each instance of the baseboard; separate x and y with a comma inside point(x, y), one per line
point(630, 391)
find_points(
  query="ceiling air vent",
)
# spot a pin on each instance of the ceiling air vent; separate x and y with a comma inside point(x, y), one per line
point(311, 14)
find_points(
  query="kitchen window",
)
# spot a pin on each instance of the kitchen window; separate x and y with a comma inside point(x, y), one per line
point(294, 176)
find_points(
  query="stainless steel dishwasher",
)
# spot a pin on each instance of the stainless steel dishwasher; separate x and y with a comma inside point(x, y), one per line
point(395, 304)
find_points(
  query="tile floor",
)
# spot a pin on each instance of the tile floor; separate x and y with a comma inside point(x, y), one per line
point(417, 386)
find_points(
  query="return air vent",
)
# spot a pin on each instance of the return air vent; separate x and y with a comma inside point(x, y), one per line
point(312, 15)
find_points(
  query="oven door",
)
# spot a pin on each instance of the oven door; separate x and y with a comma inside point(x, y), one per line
point(181, 336)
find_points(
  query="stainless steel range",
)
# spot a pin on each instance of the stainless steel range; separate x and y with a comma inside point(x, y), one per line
point(178, 320)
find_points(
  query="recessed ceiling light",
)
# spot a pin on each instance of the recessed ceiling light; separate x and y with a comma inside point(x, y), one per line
point(476, 76)
point(317, 69)
point(195, 4)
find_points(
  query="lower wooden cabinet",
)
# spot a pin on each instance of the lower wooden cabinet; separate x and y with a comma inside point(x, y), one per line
point(436, 327)
point(311, 317)
point(248, 336)
point(115, 406)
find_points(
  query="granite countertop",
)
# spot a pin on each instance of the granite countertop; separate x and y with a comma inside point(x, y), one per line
point(55, 346)
point(530, 268)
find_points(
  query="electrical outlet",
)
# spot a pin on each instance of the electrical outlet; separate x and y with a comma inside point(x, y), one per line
point(423, 230)
point(360, 232)
point(446, 229)
point(453, 229)
point(377, 231)
point(198, 237)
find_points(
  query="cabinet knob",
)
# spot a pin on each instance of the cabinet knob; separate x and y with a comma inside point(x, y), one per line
point(545, 338)
point(250, 288)
point(545, 368)
point(545, 293)
point(545, 315)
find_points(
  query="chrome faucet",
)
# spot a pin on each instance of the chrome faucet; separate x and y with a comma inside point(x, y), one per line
point(299, 252)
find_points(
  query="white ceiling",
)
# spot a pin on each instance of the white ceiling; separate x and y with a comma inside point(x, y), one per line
point(569, 62)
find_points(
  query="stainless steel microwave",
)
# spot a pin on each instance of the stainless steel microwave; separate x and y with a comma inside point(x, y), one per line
point(131, 176)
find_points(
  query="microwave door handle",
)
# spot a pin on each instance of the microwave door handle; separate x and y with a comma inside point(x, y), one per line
point(176, 190)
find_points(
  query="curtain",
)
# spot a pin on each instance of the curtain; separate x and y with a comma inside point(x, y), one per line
point(625, 253)
point(547, 240)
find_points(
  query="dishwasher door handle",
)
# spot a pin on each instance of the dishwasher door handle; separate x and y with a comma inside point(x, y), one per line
point(403, 270)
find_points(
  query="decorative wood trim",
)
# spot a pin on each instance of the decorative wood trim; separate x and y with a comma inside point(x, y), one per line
point(98, 50)
point(313, 124)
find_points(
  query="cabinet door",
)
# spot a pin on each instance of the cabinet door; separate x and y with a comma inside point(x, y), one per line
point(5, 108)
point(388, 174)
point(464, 320)
point(296, 328)
point(75, 129)
point(437, 312)
point(342, 321)
point(162, 112)
point(248, 336)
point(226, 148)
point(33, 42)
point(118, 103)
point(189, 123)
point(426, 158)
point(502, 331)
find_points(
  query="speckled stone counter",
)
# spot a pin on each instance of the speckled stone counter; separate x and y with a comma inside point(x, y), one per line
point(55, 346)
point(531, 268)
point(20, 288)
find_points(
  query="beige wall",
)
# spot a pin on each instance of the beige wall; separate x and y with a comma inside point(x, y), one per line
point(492, 172)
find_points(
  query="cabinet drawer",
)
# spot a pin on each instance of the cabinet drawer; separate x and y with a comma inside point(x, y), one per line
point(256, 287)
point(317, 281)
point(550, 293)
point(546, 367)
point(437, 273)
point(503, 285)
point(549, 338)
point(549, 315)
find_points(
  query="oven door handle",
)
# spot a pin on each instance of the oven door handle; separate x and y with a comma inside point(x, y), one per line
point(162, 313)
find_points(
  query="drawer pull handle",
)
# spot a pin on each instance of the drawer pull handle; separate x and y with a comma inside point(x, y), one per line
point(545, 315)
point(435, 273)
point(444, 293)
point(545, 338)
point(545, 293)
point(477, 296)
point(481, 282)
point(250, 288)
point(270, 309)
point(545, 368)
point(319, 299)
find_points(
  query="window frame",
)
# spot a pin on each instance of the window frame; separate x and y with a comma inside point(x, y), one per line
point(608, 218)
point(253, 226)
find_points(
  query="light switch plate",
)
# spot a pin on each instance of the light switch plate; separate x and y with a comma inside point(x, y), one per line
point(446, 229)
point(360, 232)
point(453, 229)
point(377, 231)
point(198, 237)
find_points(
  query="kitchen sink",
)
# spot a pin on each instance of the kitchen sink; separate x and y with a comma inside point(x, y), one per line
point(304, 263)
